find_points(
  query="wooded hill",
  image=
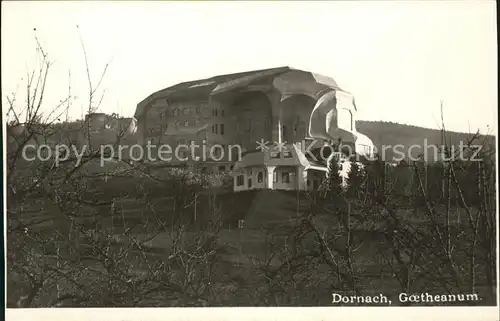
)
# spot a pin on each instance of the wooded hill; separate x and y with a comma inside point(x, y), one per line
point(391, 134)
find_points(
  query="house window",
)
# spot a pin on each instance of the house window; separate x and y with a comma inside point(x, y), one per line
point(285, 177)
point(222, 129)
point(287, 154)
point(260, 177)
point(249, 182)
point(240, 180)
point(275, 155)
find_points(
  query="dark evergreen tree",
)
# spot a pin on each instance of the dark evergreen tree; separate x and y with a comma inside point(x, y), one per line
point(333, 186)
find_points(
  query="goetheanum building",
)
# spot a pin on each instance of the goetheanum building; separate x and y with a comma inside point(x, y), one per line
point(275, 112)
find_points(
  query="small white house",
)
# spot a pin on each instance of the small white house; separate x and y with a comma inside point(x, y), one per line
point(289, 169)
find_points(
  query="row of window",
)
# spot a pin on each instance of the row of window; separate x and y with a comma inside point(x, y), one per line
point(215, 112)
point(285, 178)
point(240, 180)
point(251, 125)
point(345, 118)
point(187, 111)
point(218, 129)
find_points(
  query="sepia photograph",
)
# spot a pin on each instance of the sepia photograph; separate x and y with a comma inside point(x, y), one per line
point(323, 160)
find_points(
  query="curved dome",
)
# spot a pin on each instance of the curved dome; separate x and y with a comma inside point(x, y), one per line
point(332, 117)
point(302, 82)
point(322, 115)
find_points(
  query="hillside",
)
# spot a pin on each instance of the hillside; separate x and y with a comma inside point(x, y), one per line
point(392, 134)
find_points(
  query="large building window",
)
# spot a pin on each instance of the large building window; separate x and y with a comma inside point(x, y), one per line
point(240, 180)
point(186, 111)
point(222, 129)
point(175, 112)
point(198, 110)
point(345, 119)
point(260, 177)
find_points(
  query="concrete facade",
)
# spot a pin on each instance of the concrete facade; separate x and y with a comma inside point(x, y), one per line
point(280, 105)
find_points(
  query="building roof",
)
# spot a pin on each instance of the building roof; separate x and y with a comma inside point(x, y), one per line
point(285, 79)
point(202, 87)
point(292, 155)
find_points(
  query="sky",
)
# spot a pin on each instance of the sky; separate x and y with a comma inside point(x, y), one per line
point(399, 59)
